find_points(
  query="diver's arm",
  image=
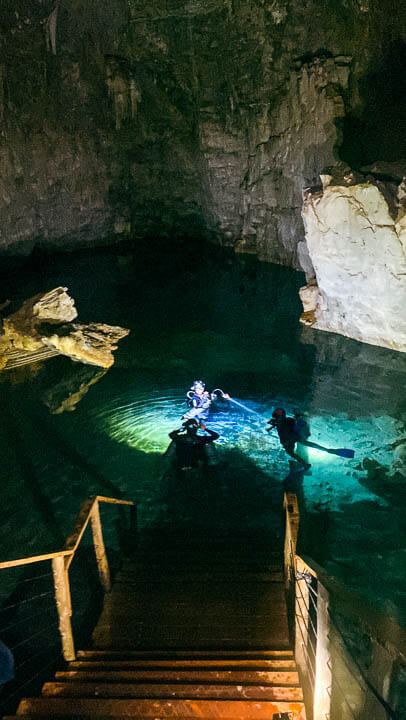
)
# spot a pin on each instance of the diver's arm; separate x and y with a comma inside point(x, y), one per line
point(212, 433)
point(216, 394)
point(174, 434)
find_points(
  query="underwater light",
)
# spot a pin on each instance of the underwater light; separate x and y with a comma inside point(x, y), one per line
point(315, 455)
point(244, 406)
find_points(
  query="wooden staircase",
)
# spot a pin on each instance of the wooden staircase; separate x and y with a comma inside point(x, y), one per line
point(189, 630)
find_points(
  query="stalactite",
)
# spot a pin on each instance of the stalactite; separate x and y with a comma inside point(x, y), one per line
point(2, 81)
point(51, 29)
point(135, 96)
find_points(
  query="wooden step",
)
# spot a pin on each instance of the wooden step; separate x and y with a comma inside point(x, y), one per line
point(106, 708)
point(212, 691)
point(203, 546)
point(203, 556)
point(224, 575)
point(195, 564)
point(255, 654)
point(181, 566)
point(137, 664)
point(125, 636)
point(276, 677)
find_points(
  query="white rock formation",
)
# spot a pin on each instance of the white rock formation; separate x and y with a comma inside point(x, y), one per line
point(358, 250)
point(45, 321)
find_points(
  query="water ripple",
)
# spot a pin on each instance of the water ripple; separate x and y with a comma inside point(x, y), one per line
point(145, 422)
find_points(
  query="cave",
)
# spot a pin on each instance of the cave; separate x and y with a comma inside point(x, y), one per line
point(226, 180)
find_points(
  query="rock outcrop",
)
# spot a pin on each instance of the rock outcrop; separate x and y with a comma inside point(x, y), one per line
point(356, 238)
point(45, 321)
point(92, 344)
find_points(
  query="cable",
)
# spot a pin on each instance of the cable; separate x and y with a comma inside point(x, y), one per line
point(43, 667)
point(37, 577)
point(26, 619)
point(32, 657)
point(23, 642)
point(23, 602)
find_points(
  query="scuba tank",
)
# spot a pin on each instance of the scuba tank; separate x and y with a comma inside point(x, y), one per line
point(301, 427)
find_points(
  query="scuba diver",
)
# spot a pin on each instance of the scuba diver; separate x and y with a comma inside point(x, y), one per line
point(292, 430)
point(190, 447)
point(199, 400)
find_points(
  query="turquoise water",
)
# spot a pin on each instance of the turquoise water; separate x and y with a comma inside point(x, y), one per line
point(202, 313)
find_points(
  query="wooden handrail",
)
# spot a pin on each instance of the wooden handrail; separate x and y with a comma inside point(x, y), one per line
point(74, 539)
point(62, 559)
point(114, 501)
point(34, 559)
point(82, 521)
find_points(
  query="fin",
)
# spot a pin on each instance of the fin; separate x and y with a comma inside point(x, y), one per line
point(343, 452)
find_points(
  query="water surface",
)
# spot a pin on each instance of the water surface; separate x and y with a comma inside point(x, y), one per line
point(198, 312)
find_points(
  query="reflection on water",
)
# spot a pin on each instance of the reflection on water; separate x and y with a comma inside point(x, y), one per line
point(68, 391)
point(233, 323)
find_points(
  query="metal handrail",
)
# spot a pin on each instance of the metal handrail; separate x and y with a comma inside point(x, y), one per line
point(386, 630)
point(322, 680)
point(62, 559)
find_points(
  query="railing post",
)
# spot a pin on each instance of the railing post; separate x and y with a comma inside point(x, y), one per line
point(101, 558)
point(291, 533)
point(63, 604)
point(323, 681)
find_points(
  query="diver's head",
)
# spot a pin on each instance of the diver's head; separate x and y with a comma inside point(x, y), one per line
point(279, 414)
point(198, 387)
point(191, 426)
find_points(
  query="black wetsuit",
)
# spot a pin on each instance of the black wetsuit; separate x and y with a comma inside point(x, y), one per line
point(190, 448)
point(291, 431)
point(287, 434)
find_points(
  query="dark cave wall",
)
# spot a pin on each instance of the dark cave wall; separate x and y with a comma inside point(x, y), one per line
point(170, 117)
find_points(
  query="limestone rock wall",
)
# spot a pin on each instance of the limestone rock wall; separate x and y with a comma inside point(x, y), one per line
point(256, 176)
point(162, 117)
point(356, 237)
point(53, 192)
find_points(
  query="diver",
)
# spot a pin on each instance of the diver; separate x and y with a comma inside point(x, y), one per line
point(191, 448)
point(291, 430)
point(199, 400)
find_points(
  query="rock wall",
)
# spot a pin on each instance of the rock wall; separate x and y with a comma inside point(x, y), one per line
point(164, 117)
point(256, 176)
point(356, 237)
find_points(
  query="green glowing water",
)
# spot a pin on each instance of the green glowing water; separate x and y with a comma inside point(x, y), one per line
point(233, 323)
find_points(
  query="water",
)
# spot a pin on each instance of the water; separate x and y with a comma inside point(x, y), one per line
point(201, 313)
